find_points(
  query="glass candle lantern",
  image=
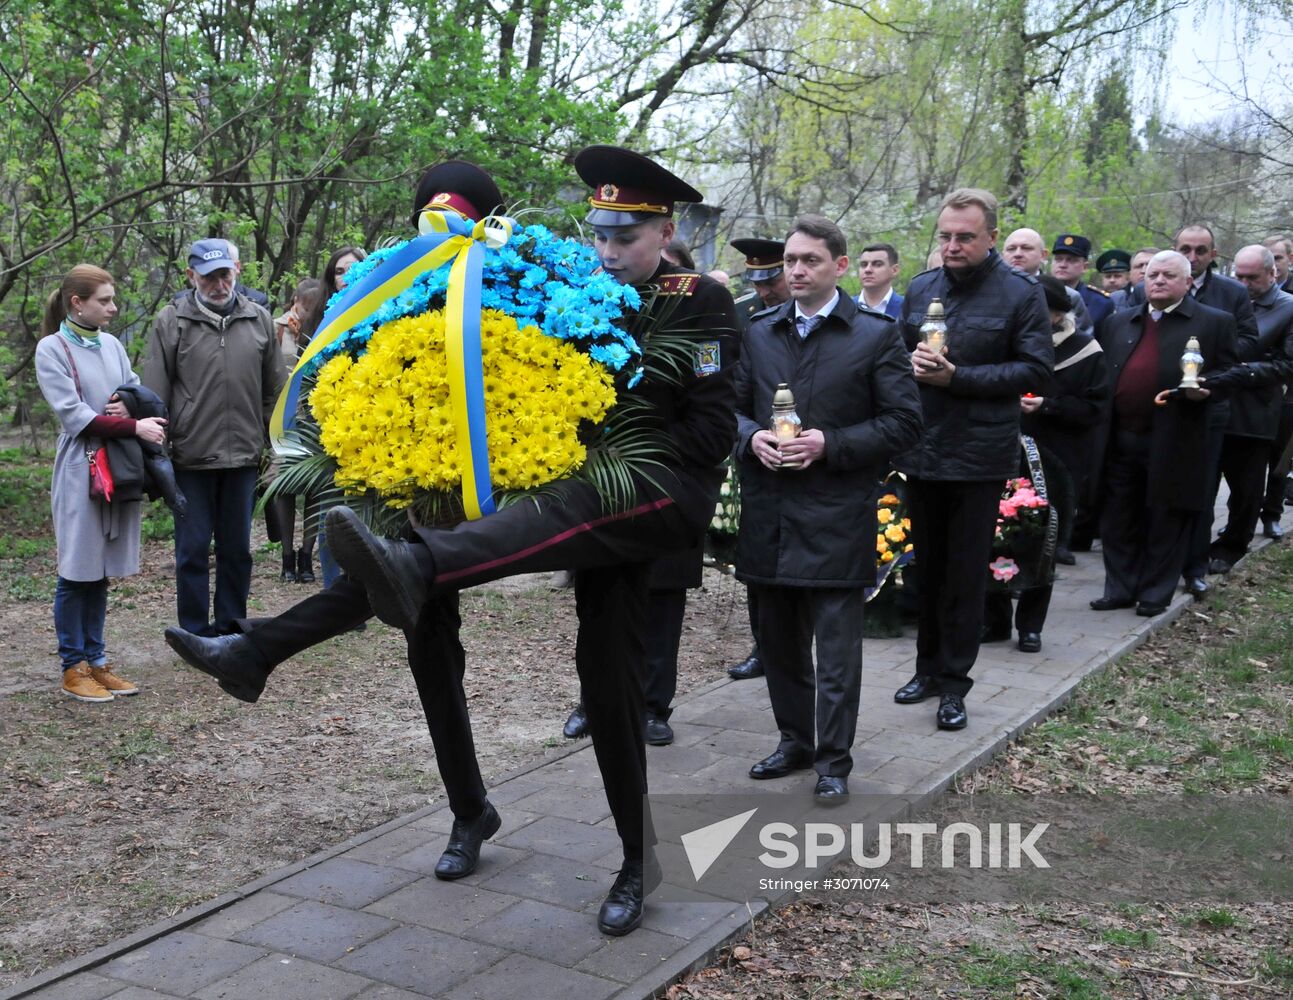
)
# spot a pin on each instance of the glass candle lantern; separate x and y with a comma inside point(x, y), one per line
point(785, 424)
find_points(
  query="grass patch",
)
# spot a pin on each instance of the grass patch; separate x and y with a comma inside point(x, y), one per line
point(140, 743)
point(1129, 938)
point(1218, 919)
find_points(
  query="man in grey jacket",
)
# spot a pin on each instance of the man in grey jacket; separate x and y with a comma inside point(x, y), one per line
point(213, 361)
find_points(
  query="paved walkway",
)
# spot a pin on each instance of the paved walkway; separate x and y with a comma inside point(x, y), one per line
point(367, 920)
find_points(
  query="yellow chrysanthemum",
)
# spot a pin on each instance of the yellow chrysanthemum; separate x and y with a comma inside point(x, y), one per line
point(387, 419)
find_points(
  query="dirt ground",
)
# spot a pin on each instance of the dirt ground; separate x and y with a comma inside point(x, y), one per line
point(115, 815)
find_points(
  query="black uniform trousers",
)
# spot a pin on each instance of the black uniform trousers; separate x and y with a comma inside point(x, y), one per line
point(665, 612)
point(436, 659)
point(789, 619)
point(1281, 451)
point(1143, 546)
point(1243, 464)
point(569, 526)
point(952, 526)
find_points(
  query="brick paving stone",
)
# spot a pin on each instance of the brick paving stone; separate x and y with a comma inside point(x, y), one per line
point(587, 805)
point(521, 976)
point(630, 957)
point(422, 960)
point(315, 930)
point(285, 978)
point(345, 882)
point(686, 734)
point(737, 743)
point(549, 932)
point(381, 991)
point(679, 760)
point(686, 920)
point(562, 882)
point(729, 716)
point(385, 849)
point(442, 906)
point(139, 993)
point(563, 837)
point(243, 914)
point(1018, 698)
point(181, 962)
point(86, 986)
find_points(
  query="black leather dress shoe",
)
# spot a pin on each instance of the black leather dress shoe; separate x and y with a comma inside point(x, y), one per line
point(1150, 610)
point(1030, 642)
point(621, 911)
point(1271, 528)
point(951, 712)
point(915, 690)
point(576, 727)
point(830, 790)
point(778, 764)
point(1110, 604)
point(388, 570)
point(462, 852)
point(1064, 557)
point(1219, 566)
point(1196, 586)
point(658, 732)
point(231, 659)
point(748, 668)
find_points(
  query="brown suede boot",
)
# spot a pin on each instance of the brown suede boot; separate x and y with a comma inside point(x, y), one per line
point(80, 684)
point(118, 686)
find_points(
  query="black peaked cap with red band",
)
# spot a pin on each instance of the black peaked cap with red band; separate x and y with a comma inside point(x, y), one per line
point(627, 187)
point(459, 185)
point(763, 258)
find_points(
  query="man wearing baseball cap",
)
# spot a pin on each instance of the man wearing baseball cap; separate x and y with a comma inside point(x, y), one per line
point(213, 360)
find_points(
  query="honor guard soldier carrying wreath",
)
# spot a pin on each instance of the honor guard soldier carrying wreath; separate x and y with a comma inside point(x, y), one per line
point(570, 525)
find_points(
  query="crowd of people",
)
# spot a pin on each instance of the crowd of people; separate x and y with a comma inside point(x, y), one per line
point(1132, 401)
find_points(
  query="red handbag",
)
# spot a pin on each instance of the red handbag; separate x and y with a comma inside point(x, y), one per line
point(101, 485)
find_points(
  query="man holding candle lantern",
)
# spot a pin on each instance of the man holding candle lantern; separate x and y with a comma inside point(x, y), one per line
point(998, 347)
point(840, 385)
point(1155, 484)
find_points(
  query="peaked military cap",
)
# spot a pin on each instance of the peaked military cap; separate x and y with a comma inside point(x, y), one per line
point(763, 258)
point(1112, 261)
point(458, 185)
point(1078, 246)
point(628, 188)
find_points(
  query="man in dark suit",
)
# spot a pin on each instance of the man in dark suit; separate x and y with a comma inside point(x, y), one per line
point(1277, 481)
point(1255, 410)
point(1155, 486)
point(853, 388)
point(878, 270)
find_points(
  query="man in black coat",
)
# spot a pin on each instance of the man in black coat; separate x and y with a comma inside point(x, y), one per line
point(808, 515)
point(1255, 409)
point(1155, 484)
point(998, 348)
point(1197, 244)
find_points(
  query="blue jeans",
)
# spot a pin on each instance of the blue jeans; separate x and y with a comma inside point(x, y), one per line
point(328, 565)
point(80, 608)
point(220, 506)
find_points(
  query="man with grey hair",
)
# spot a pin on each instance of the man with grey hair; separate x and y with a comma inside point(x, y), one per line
point(1155, 486)
point(260, 298)
point(1255, 411)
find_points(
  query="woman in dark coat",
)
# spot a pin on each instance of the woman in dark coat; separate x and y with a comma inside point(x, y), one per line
point(1062, 417)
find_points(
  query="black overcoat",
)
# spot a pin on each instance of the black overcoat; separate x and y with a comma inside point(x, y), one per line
point(852, 380)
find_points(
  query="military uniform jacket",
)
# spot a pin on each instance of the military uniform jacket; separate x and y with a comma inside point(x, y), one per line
point(852, 380)
point(999, 338)
point(693, 406)
point(1177, 477)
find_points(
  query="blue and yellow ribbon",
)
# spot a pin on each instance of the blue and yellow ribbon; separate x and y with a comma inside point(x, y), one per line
point(446, 237)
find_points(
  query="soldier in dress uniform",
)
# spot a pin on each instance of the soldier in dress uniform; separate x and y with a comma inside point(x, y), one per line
point(571, 526)
point(1115, 270)
point(1069, 258)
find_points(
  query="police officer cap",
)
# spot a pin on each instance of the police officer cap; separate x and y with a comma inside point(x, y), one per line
point(1112, 261)
point(763, 258)
point(458, 185)
point(627, 187)
point(1078, 246)
point(206, 256)
point(1057, 296)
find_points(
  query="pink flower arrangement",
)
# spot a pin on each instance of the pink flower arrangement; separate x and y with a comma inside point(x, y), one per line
point(1019, 493)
